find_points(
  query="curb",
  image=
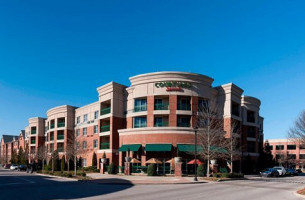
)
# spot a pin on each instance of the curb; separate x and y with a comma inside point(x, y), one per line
point(66, 178)
point(133, 183)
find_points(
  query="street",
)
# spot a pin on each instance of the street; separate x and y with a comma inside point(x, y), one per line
point(20, 185)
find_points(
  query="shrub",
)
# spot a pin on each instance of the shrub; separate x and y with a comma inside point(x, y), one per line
point(91, 169)
point(228, 175)
point(111, 169)
point(200, 170)
point(47, 168)
point(152, 170)
point(217, 175)
point(94, 160)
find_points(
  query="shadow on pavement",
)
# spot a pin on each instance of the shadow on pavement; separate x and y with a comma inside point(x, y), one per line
point(41, 187)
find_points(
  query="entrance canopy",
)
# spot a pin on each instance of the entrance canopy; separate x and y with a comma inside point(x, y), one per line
point(188, 147)
point(130, 147)
point(158, 147)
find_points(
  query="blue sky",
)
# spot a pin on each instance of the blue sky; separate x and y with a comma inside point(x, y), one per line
point(58, 52)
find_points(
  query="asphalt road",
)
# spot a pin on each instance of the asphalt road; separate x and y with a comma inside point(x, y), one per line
point(20, 185)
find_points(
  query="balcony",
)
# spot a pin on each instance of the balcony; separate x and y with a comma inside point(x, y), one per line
point(60, 137)
point(161, 124)
point(33, 132)
point(33, 141)
point(105, 111)
point(183, 107)
point(52, 126)
point(140, 108)
point(60, 124)
point(161, 106)
point(183, 124)
point(105, 145)
point(105, 128)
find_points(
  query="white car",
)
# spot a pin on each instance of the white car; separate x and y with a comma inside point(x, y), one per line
point(14, 167)
point(281, 170)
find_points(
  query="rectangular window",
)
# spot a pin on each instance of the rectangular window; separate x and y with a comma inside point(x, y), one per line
point(270, 147)
point(77, 132)
point(184, 121)
point(291, 156)
point(139, 122)
point(95, 128)
point(160, 105)
point(250, 116)
point(84, 131)
point(279, 147)
point(302, 156)
point(184, 104)
point(94, 144)
point(251, 131)
point(291, 147)
point(85, 117)
point(302, 146)
point(203, 105)
point(140, 105)
point(279, 156)
point(78, 120)
point(251, 147)
point(84, 145)
point(96, 114)
point(160, 122)
point(235, 109)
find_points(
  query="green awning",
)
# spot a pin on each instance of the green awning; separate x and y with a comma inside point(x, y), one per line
point(188, 147)
point(158, 147)
point(130, 147)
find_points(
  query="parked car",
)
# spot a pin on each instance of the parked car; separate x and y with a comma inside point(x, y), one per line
point(291, 172)
point(270, 172)
point(281, 170)
point(14, 167)
point(21, 168)
point(299, 170)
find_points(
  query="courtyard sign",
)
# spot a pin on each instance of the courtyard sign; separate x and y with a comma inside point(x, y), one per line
point(173, 85)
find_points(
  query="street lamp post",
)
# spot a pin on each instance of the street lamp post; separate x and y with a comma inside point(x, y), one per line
point(195, 177)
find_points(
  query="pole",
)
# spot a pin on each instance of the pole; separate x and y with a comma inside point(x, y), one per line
point(195, 178)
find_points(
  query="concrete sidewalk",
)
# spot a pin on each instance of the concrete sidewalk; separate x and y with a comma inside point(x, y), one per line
point(122, 179)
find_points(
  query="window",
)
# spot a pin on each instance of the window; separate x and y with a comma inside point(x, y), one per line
point(279, 156)
point(77, 132)
point(291, 156)
point(78, 120)
point(84, 145)
point(291, 147)
point(160, 105)
point(96, 114)
point(139, 122)
point(140, 105)
point(302, 156)
point(95, 129)
point(84, 131)
point(251, 146)
point(279, 147)
point(160, 122)
point(184, 104)
point(94, 144)
point(183, 121)
point(203, 105)
point(251, 131)
point(84, 162)
point(85, 117)
point(235, 109)
point(269, 147)
point(302, 146)
point(250, 116)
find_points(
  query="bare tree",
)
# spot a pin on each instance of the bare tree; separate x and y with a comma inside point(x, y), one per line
point(73, 150)
point(281, 157)
point(210, 133)
point(233, 144)
point(297, 132)
point(42, 154)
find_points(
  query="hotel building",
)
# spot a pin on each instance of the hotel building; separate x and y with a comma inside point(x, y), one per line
point(153, 117)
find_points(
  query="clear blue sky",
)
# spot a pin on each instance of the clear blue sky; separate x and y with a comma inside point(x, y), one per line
point(59, 52)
